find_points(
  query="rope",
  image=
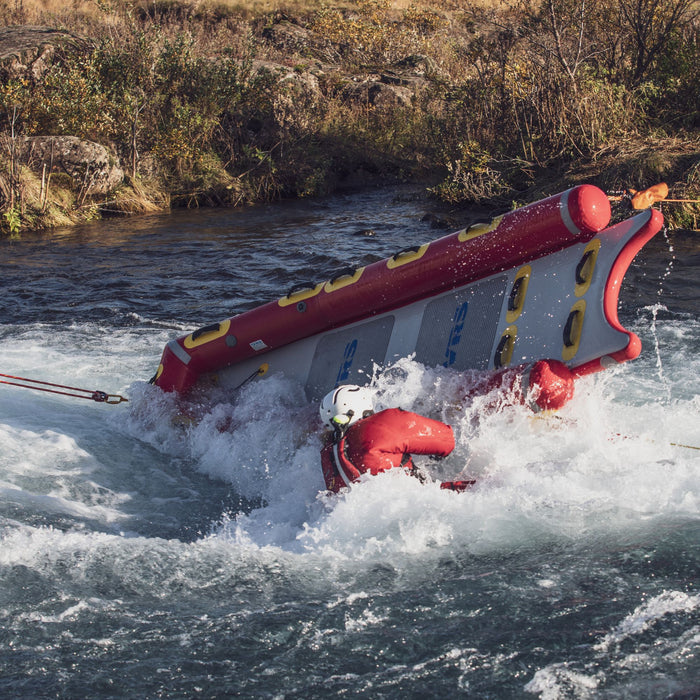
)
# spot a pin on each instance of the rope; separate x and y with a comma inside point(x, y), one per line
point(619, 198)
point(98, 396)
point(688, 447)
point(258, 372)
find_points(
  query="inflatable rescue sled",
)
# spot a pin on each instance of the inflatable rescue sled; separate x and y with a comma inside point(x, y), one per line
point(538, 282)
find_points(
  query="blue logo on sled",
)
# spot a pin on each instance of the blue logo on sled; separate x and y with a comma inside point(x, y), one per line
point(455, 334)
point(348, 357)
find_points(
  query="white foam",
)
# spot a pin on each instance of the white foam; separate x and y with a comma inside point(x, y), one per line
point(48, 472)
point(647, 614)
point(564, 679)
point(51, 444)
point(594, 468)
point(561, 681)
point(603, 463)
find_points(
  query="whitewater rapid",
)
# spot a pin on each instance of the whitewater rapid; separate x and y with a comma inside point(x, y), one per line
point(619, 455)
point(150, 552)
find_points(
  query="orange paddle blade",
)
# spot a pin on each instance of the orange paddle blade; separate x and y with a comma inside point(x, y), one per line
point(645, 198)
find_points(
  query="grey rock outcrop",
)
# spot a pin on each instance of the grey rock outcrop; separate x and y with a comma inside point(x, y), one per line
point(28, 50)
point(94, 170)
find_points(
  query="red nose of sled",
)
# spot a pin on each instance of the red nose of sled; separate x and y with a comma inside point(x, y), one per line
point(589, 208)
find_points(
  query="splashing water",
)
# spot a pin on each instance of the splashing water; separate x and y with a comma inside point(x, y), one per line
point(144, 555)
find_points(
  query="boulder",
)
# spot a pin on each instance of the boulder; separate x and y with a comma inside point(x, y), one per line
point(377, 93)
point(394, 87)
point(27, 51)
point(291, 39)
point(93, 168)
point(297, 93)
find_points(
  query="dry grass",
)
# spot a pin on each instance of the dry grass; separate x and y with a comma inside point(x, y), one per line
point(73, 13)
point(40, 11)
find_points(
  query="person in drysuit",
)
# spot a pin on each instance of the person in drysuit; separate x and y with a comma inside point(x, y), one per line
point(367, 442)
point(363, 441)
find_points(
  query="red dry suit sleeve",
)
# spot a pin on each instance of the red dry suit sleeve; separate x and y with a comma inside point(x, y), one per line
point(379, 442)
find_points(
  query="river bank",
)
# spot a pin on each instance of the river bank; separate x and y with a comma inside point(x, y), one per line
point(125, 108)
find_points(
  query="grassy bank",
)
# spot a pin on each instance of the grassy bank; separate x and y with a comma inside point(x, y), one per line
point(231, 103)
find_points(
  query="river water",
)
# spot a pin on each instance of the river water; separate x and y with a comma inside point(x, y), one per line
point(144, 558)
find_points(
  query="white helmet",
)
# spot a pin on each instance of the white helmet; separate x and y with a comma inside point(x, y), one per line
point(346, 405)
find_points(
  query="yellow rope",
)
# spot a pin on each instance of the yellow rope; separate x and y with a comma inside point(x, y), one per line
point(689, 447)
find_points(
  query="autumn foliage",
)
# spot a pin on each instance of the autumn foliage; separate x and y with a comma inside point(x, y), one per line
point(511, 94)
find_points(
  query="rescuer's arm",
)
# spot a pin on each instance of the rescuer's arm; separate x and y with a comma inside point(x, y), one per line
point(424, 436)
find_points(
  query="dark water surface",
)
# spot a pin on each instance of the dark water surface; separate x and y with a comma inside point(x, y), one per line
point(146, 559)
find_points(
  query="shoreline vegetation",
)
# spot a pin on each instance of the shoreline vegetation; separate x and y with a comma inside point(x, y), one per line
point(115, 107)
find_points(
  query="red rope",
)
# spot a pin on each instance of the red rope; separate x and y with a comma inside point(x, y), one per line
point(99, 396)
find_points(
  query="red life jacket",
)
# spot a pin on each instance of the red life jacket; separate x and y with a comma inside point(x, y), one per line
point(383, 441)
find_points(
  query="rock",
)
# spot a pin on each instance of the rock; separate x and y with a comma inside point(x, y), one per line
point(94, 170)
point(292, 39)
point(392, 77)
point(297, 94)
point(394, 87)
point(378, 94)
point(28, 50)
point(437, 222)
point(419, 64)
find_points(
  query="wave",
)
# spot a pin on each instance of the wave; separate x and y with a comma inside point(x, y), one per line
point(246, 468)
